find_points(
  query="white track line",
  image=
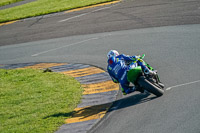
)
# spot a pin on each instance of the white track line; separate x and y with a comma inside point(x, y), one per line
point(86, 13)
point(169, 88)
point(64, 46)
point(87, 40)
point(102, 8)
point(73, 17)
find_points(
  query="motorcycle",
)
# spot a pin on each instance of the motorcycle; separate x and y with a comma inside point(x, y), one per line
point(145, 79)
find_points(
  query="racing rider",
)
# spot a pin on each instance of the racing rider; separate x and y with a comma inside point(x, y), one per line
point(118, 69)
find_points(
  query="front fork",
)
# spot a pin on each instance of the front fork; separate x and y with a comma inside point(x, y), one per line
point(153, 76)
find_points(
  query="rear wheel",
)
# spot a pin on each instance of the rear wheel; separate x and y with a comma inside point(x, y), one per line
point(144, 83)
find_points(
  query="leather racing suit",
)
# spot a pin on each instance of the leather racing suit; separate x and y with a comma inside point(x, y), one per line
point(118, 69)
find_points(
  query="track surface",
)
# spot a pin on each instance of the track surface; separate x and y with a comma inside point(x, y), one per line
point(172, 50)
point(129, 14)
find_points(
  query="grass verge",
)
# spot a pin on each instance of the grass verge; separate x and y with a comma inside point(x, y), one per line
point(7, 2)
point(41, 7)
point(35, 102)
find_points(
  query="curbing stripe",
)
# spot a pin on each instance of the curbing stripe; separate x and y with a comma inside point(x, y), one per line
point(99, 87)
point(91, 79)
point(15, 66)
point(79, 127)
point(68, 67)
point(83, 72)
point(43, 65)
point(89, 113)
point(97, 98)
point(95, 78)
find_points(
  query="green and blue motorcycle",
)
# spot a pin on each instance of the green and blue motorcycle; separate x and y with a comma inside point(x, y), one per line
point(147, 80)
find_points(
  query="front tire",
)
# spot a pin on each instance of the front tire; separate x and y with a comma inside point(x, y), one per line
point(144, 83)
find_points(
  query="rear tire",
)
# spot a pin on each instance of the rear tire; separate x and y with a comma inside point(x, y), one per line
point(144, 83)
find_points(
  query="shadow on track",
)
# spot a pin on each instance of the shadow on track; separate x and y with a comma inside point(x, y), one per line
point(131, 101)
point(127, 101)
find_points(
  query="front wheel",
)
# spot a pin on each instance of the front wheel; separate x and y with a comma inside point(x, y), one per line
point(144, 83)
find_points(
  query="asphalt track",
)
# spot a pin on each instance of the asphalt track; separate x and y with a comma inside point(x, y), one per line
point(128, 14)
point(172, 49)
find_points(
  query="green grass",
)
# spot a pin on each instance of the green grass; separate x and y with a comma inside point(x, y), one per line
point(35, 102)
point(41, 7)
point(6, 2)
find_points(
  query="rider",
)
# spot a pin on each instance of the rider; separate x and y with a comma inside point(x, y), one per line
point(118, 69)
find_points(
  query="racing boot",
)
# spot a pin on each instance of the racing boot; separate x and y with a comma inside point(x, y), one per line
point(128, 91)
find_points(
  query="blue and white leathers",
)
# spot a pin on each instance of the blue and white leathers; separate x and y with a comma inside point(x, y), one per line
point(117, 69)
